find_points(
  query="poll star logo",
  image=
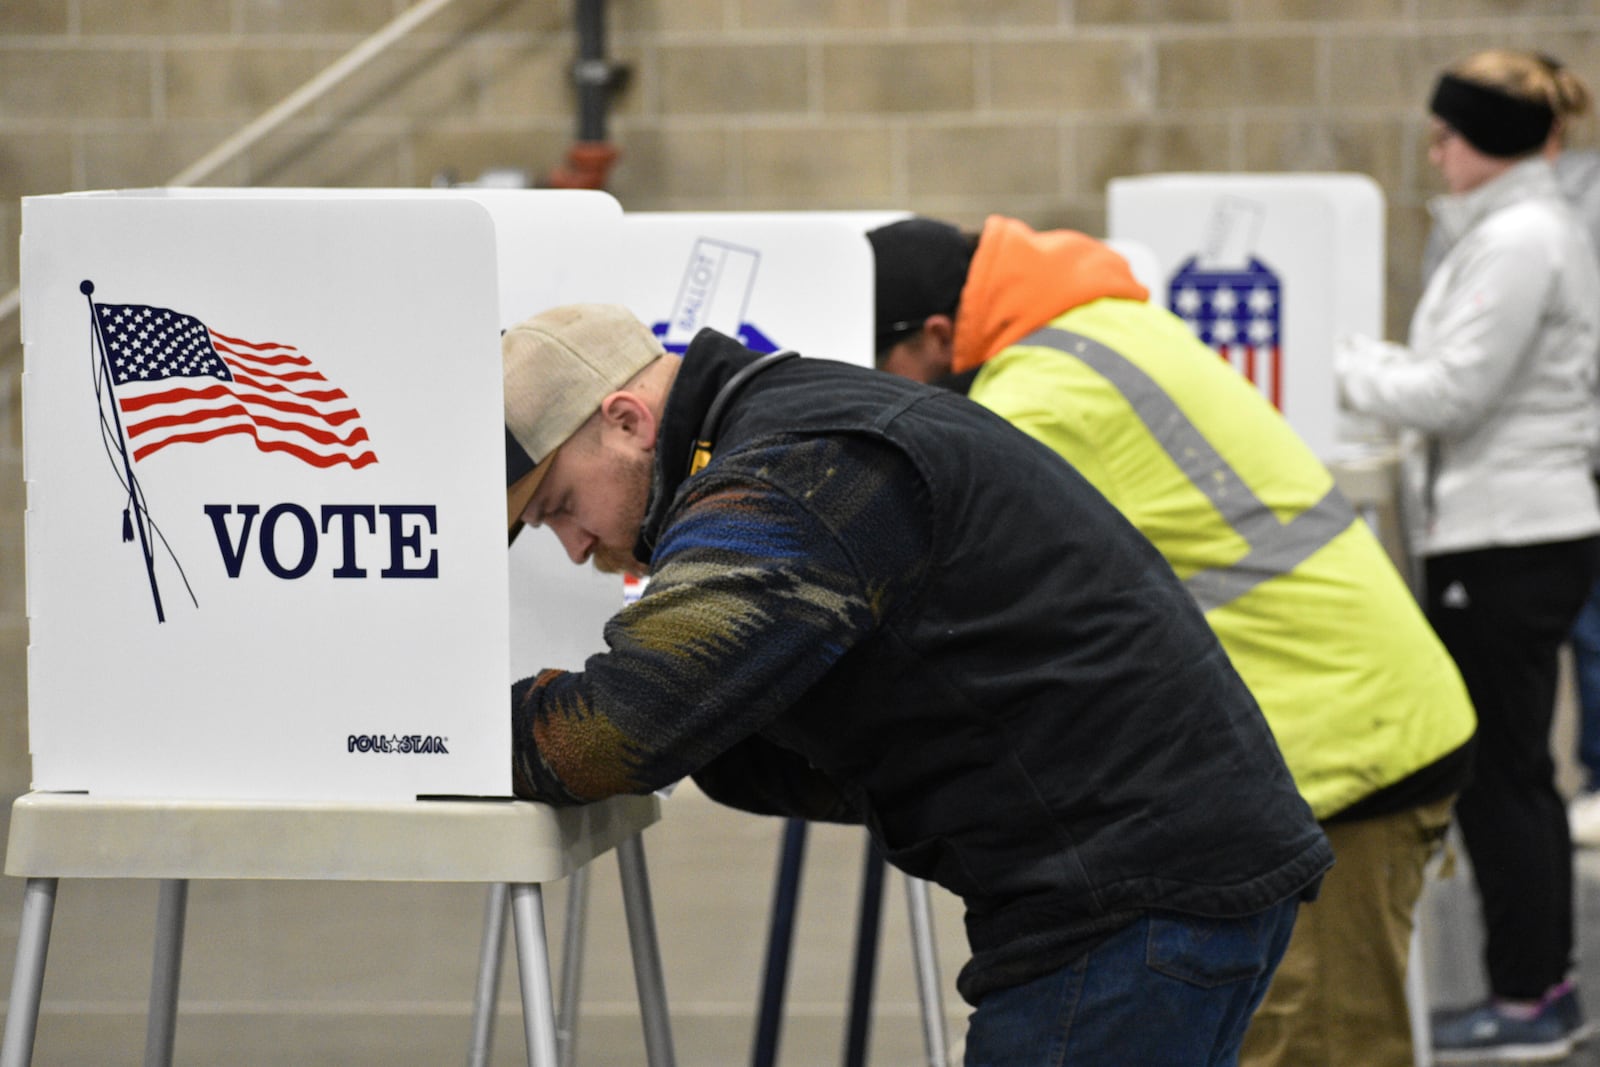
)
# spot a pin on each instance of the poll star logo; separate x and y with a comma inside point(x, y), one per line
point(400, 744)
point(164, 378)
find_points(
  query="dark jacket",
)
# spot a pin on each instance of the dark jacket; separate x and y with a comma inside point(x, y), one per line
point(881, 602)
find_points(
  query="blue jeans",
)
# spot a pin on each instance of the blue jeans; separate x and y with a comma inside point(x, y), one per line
point(1167, 991)
point(1586, 665)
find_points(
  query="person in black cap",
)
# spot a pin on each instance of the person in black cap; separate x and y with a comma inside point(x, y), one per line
point(1051, 331)
point(1494, 394)
point(875, 602)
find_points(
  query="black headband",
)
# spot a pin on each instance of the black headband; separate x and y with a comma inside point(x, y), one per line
point(1492, 120)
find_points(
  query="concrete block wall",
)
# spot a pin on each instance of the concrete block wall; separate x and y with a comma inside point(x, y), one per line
point(955, 108)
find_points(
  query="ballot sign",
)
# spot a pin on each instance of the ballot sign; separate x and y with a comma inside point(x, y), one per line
point(771, 279)
point(1268, 270)
point(1239, 312)
point(718, 282)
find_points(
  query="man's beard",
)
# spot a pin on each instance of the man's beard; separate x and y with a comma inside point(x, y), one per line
point(612, 561)
point(633, 474)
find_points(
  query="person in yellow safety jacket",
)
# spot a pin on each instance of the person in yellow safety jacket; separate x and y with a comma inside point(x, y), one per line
point(1052, 331)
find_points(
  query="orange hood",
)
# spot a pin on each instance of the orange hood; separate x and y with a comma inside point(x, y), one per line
point(1019, 280)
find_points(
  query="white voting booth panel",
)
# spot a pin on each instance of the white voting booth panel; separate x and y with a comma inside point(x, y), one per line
point(1269, 269)
point(263, 460)
point(335, 625)
point(800, 280)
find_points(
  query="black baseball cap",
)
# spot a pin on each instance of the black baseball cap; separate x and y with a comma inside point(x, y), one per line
point(920, 269)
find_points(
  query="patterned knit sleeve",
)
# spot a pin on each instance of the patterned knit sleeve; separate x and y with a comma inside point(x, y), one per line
point(775, 562)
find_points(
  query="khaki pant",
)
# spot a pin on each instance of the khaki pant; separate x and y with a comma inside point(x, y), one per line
point(1339, 997)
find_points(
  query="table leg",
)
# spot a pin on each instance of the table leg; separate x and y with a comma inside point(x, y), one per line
point(487, 991)
point(647, 974)
point(533, 967)
point(926, 960)
point(572, 966)
point(27, 980)
point(1417, 998)
point(869, 924)
point(165, 971)
point(780, 939)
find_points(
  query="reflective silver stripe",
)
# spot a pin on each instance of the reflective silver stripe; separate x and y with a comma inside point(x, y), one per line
point(1276, 547)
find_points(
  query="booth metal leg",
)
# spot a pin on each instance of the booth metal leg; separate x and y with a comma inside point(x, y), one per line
point(487, 992)
point(27, 979)
point(572, 966)
point(1417, 997)
point(165, 972)
point(533, 968)
point(926, 961)
point(647, 975)
point(869, 923)
point(780, 937)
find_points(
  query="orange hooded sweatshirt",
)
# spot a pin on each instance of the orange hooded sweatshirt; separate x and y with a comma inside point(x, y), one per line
point(1020, 279)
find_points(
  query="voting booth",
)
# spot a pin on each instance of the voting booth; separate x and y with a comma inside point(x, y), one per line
point(264, 464)
point(264, 468)
point(774, 280)
point(1268, 269)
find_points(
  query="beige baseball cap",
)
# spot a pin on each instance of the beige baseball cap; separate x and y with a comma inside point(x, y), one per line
point(558, 366)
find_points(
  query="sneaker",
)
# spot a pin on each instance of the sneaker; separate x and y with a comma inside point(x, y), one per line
point(1563, 1002)
point(1583, 817)
point(1489, 1033)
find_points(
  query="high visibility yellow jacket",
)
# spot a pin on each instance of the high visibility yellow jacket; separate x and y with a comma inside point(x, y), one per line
point(1357, 688)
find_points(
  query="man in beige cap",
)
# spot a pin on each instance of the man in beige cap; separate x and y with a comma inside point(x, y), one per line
point(576, 376)
point(872, 601)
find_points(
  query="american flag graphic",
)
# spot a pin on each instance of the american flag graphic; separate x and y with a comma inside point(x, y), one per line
point(175, 380)
point(1238, 312)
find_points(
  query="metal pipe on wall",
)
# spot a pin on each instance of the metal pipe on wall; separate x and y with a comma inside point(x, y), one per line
point(596, 78)
point(593, 74)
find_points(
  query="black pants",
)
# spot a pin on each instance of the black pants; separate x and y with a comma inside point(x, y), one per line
point(1503, 613)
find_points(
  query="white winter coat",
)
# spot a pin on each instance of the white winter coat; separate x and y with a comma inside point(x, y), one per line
point(1497, 384)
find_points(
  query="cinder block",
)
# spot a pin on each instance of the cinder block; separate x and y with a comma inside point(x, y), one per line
point(1150, 12)
point(236, 81)
point(1236, 71)
point(75, 83)
point(139, 155)
point(824, 167)
point(813, 14)
point(1070, 74)
point(153, 16)
point(983, 161)
point(313, 16)
point(899, 77)
point(35, 162)
point(988, 15)
point(671, 168)
point(733, 79)
point(1102, 150)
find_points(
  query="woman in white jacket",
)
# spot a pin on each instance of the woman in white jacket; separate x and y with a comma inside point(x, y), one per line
point(1496, 394)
